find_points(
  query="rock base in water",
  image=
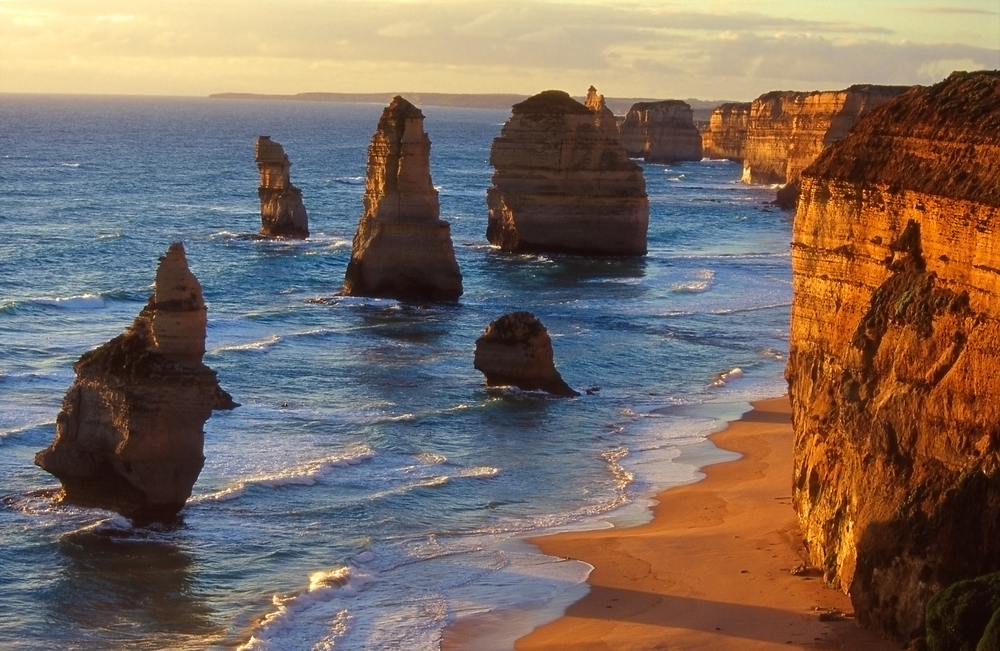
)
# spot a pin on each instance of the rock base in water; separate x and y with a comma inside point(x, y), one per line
point(130, 434)
point(282, 213)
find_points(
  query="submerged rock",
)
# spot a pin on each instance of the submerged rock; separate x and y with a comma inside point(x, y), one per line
point(661, 132)
point(129, 437)
point(893, 371)
point(282, 213)
point(402, 249)
point(562, 182)
point(515, 350)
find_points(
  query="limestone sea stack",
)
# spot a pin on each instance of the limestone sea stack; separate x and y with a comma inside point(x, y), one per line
point(129, 437)
point(661, 132)
point(893, 371)
point(562, 182)
point(515, 350)
point(725, 135)
point(402, 249)
point(787, 130)
point(282, 214)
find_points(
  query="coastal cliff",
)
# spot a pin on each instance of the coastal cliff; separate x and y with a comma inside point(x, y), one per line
point(402, 249)
point(661, 132)
point(893, 372)
point(562, 182)
point(725, 135)
point(787, 130)
point(129, 436)
point(282, 213)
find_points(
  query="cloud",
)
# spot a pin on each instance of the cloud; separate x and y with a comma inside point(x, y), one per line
point(948, 10)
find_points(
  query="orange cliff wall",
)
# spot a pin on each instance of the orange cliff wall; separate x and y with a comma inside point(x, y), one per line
point(787, 130)
point(725, 135)
point(893, 372)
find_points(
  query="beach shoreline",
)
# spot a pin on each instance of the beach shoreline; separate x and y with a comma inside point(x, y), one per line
point(710, 570)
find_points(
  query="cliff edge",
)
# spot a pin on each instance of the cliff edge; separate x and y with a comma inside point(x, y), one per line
point(893, 370)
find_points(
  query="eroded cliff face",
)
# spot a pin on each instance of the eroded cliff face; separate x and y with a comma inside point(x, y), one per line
point(726, 133)
point(893, 365)
point(282, 213)
point(129, 437)
point(402, 249)
point(562, 182)
point(661, 132)
point(788, 130)
point(515, 350)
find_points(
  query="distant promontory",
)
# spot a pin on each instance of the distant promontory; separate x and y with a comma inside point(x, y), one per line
point(702, 109)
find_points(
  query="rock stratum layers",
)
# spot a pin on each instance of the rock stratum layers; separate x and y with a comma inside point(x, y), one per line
point(515, 350)
point(661, 132)
point(129, 437)
point(282, 213)
point(725, 136)
point(402, 249)
point(562, 182)
point(788, 130)
point(893, 369)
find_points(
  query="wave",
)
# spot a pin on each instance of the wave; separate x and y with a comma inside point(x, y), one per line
point(348, 180)
point(316, 613)
point(703, 282)
point(724, 378)
point(305, 474)
point(81, 302)
point(72, 165)
point(753, 308)
point(260, 346)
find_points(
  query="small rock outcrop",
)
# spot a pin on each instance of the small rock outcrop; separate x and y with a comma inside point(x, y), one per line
point(661, 132)
point(402, 249)
point(893, 370)
point(562, 182)
point(725, 135)
point(129, 437)
point(788, 130)
point(515, 350)
point(282, 214)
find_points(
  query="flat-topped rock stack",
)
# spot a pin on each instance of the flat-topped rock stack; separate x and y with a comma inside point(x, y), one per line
point(282, 213)
point(402, 249)
point(562, 182)
point(893, 368)
point(515, 350)
point(130, 434)
point(661, 132)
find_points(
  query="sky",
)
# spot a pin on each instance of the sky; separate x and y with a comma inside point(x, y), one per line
point(704, 49)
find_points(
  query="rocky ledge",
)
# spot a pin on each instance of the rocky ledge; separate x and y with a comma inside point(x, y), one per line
point(661, 132)
point(402, 249)
point(562, 182)
point(129, 437)
point(282, 213)
point(893, 370)
point(515, 350)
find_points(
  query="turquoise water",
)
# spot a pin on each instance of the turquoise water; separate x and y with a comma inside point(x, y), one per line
point(369, 490)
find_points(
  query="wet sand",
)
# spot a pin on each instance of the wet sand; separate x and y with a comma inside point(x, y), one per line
point(710, 571)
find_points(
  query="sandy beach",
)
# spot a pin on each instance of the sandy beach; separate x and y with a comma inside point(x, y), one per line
point(710, 571)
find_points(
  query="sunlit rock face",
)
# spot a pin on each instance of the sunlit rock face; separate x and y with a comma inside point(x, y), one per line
point(787, 130)
point(129, 437)
point(282, 213)
point(661, 132)
point(562, 182)
point(725, 136)
point(515, 350)
point(893, 371)
point(402, 249)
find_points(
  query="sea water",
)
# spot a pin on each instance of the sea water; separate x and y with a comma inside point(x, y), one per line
point(370, 489)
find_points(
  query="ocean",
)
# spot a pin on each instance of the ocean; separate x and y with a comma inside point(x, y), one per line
point(370, 489)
